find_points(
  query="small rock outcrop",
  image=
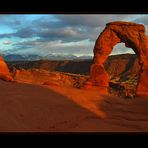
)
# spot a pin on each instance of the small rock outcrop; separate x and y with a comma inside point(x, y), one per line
point(133, 35)
point(4, 71)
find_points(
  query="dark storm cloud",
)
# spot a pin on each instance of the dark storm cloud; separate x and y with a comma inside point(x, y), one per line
point(46, 22)
point(6, 35)
point(90, 20)
point(25, 33)
point(21, 33)
point(65, 34)
point(69, 34)
point(65, 27)
point(78, 28)
point(14, 20)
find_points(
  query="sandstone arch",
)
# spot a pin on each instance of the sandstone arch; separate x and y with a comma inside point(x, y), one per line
point(133, 35)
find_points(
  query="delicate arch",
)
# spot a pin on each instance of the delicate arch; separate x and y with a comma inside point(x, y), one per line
point(133, 35)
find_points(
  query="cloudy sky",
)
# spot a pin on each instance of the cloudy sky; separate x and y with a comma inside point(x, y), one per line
point(57, 34)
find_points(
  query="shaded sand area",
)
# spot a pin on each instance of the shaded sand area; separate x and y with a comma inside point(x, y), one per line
point(27, 107)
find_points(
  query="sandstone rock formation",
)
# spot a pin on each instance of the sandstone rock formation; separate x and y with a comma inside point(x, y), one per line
point(123, 65)
point(4, 71)
point(133, 35)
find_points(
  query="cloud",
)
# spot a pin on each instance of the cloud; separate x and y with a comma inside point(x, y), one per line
point(13, 21)
point(54, 47)
point(25, 33)
point(64, 34)
point(92, 20)
point(7, 42)
point(60, 33)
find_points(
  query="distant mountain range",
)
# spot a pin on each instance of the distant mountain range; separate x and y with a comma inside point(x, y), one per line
point(124, 64)
point(34, 57)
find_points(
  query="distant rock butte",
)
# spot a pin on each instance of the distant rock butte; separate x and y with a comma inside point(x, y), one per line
point(4, 71)
point(133, 35)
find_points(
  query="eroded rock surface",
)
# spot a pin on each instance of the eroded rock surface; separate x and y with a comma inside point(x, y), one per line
point(4, 71)
point(133, 35)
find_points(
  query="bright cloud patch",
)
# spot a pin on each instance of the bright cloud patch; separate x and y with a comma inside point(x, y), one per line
point(7, 42)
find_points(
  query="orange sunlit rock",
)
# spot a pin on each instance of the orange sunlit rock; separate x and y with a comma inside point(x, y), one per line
point(4, 71)
point(133, 35)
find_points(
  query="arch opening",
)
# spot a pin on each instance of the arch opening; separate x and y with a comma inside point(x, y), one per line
point(123, 69)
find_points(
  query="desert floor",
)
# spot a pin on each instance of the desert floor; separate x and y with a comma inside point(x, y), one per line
point(30, 108)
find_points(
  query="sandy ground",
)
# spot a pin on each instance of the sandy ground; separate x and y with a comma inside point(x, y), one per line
point(26, 107)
